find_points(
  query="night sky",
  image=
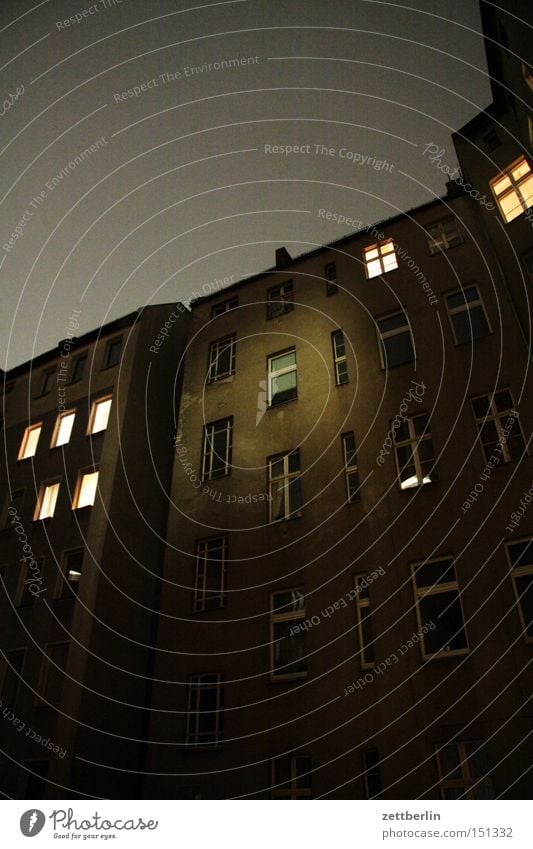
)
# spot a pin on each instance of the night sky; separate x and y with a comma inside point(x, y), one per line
point(181, 183)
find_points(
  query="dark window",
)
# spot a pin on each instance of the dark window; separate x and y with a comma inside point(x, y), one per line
point(217, 447)
point(463, 771)
point(48, 381)
point(371, 773)
point(112, 355)
point(78, 368)
point(351, 469)
point(287, 638)
point(27, 579)
point(291, 777)
point(211, 566)
point(330, 272)
point(439, 609)
point(206, 705)
point(467, 315)
point(443, 235)
point(280, 299)
point(498, 426)
point(395, 340)
point(71, 573)
point(520, 556)
point(492, 140)
point(339, 357)
point(364, 622)
point(12, 669)
point(221, 358)
point(225, 306)
point(36, 783)
point(284, 486)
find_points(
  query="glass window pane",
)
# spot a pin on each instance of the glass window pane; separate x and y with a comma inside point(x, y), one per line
point(283, 361)
point(289, 651)
point(521, 553)
point(295, 495)
point(284, 388)
point(450, 764)
point(438, 572)
point(392, 322)
point(398, 349)
point(524, 588)
point(444, 610)
point(288, 601)
point(503, 400)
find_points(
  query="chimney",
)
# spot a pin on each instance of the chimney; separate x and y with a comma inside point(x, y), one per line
point(283, 258)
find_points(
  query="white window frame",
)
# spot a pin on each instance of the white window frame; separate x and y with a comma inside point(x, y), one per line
point(104, 399)
point(447, 235)
point(230, 304)
point(413, 442)
point(42, 496)
point(208, 448)
point(286, 477)
point(193, 734)
point(519, 572)
point(67, 414)
point(82, 475)
point(389, 334)
point(352, 469)
point(275, 373)
point(26, 437)
point(215, 349)
point(384, 250)
point(202, 557)
point(437, 589)
point(282, 294)
point(466, 782)
point(287, 615)
point(466, 306)
point(362, 603)
point(292, 791)
point(513, 189)
point(339, 359)
point(497, 417)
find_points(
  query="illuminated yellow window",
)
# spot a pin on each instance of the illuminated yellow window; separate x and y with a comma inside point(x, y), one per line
point(28, 446)
point(513, 189)
point(63, 428)
point(99, 415)
point(85, 493)
point(46, 503)
point(380, 258)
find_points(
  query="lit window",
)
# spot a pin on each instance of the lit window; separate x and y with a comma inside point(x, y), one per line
point(415, 456)
point(396, 342)
point(291, 777)
point(99, 418)
point(211, 566)
point(48, 381)
point(499, 429)
point(371, 773)
point(513, 189)
point(284, 486)
point(282, 377)
point(78, 368)
point(112, 354)
point(70, 575)
point(225, 306)
point(85, 493)
point(463, 772)
point(287, 639)
point(380, 258)
point(351, 470)
point(46, 503)
point(364, 622)
point(330, 273)
point(24, 595)
point(10, 675)
point(53, 673)
point(528, 75)
point(63, 428)
point(438, 609)
point(28, 446)
point(443, 235)
point(520, 555)
point(221, 358)
point(339, 357)
point(467, 315)
point(280, 299)
point(205, 714)
point(217, 447)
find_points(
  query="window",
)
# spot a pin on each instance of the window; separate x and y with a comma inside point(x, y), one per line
point(52, 673)
point(15, 502)
point(330, 273)
point(211, 566)
point(438, 607)
point(443, 235)
point(282, 378)
point(216, 452)
point(528, 75)
point(280, 299)
point(364, 622)
point(520, 556)
point(339, 357)
point(28, 446)
point(463, 772)
point(513, 189)
point(70, 575)
point(78, 368)
point(112, 353)
point(351, 470)
point(48, 381)
point(287, 639)
point(380, 258)
point(85, 492)
point(99, 418)
point(284, 486)
point(499, 429)
point(206, 704)
point(225, 306)
point(467, 315)
point(371, 773)
point(396, 343)
point(291, 777)
point(46, 502)
point(415, 455)
point(492, 140)
point(63, 428)
point(37, 775)
point(10, 671)
point(25, 596)
point(221, 358)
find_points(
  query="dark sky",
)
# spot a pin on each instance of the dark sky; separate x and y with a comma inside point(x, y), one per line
point(180, 191)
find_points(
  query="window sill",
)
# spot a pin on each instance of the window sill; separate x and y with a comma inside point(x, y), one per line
point(446, 655)
point(399, 365)
point(226, 378)
point(472, 342)
point(281, 403)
